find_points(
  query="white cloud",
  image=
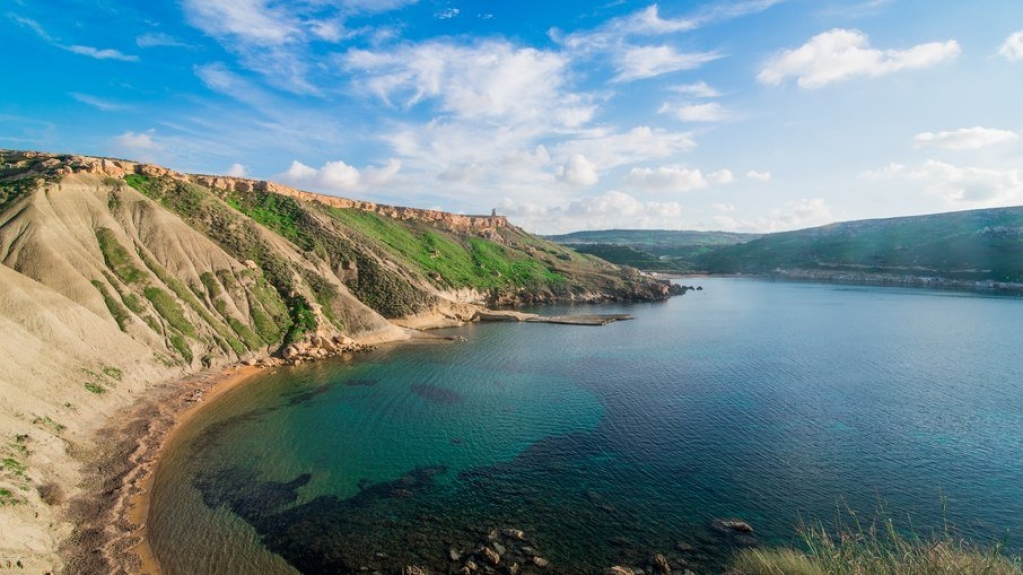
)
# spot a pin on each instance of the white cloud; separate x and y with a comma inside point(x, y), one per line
point(98, 103)
point(724, 207)
point(841, 54)
point(1012, 49)
point(612, 149)
point(246, 20)
point(493, 80)
point(637, 63)
point(675, 178)
point(613, 209)
point(338, 176)
point(237, 171)
point(447, 14)
point(891, 170)
point(960, 186)
point(709, 112)
point(90, 51)
point(159, 39)
point(698, 90)
point(965, 138)
point(578, 171)
point(721, 177)
point(101, 54)
point(970, 186)
point(758, 176)
point(137, 142)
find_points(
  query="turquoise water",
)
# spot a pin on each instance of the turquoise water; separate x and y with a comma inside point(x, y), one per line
point(769, 402)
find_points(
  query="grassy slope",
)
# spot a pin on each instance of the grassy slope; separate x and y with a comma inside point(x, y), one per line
point(971, 245)
point(651, 250)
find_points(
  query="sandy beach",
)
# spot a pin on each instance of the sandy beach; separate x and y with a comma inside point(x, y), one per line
point(111, 515)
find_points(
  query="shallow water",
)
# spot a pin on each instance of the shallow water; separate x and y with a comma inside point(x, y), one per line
point(769, 402)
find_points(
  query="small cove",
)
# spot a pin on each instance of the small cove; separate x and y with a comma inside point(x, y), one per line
point(763, 401)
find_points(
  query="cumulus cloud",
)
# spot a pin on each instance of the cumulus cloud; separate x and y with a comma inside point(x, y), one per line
point(237, 171)
point(960, 186)
point(965, 138)
point(637, 63)
point(578, 171)
point(493, 80)
point(1012, 49)
point(840, 54)
point(758, 176)
point(137, 141)
point(447, 13)
point(709, 112)
point(337, 176)
point(970, 186)
point(675, 178)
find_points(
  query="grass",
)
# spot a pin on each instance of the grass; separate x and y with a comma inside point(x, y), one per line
point(877, 549)
point(169, 310)
point(113, 372)
point(117, 258)
point(9, 499)
point(95, 388)
point(118, 311)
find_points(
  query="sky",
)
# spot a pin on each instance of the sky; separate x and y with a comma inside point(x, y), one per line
point(737, 115)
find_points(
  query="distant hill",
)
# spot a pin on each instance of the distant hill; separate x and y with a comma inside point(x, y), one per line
point(651, 250)
point(970, 246)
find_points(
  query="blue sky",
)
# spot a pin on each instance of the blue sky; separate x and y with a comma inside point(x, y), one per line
point(746, 115)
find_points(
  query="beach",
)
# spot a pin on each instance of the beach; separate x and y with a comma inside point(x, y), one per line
point(111, 513)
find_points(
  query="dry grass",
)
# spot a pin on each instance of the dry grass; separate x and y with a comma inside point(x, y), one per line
point(879, 549)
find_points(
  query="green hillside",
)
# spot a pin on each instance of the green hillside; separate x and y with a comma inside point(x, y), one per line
point(669, 251)
point(976, 245)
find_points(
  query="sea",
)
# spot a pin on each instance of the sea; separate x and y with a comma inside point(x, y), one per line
point(778, 405)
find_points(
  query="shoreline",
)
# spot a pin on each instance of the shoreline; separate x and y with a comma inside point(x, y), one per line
point(112, 512)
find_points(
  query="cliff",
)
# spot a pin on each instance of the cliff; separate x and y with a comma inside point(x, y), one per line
point(119, 276)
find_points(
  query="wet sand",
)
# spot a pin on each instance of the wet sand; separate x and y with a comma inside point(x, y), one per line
point(111, 514)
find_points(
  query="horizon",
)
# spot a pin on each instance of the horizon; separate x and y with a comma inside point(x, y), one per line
point(748, 116)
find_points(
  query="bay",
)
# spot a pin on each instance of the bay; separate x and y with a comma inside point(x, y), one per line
point(769, 402)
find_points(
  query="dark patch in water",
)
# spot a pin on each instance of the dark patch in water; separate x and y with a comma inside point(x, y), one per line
point(298, 397)
point(361, 382)
point(436, 394)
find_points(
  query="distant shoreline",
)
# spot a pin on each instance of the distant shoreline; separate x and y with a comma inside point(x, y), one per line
point(868, 279)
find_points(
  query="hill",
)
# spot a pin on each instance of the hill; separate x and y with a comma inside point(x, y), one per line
point(670, 251)
point(119, 276)
point(961, 248)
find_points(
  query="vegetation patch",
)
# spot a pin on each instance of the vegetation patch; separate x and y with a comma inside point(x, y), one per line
point(113, 372)
point(95, 388)
point(12, 191)
point(169, 310)
point(8, 498)
point(877, 549)
point(117, 258)
point(179, 344)
point(303, 319)
point(119, 313)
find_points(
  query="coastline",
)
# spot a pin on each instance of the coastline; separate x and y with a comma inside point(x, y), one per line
point(111, 514)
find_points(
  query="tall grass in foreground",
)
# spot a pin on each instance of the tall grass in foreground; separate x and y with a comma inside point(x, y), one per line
point(879, 549)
